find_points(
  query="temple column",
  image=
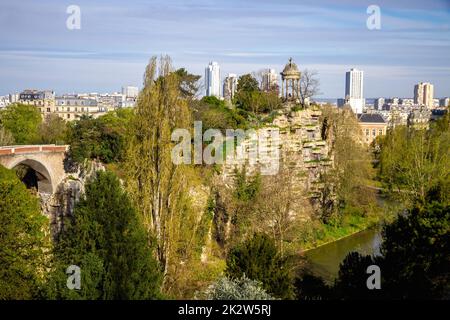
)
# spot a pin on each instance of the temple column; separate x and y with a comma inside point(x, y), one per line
point(287, 88)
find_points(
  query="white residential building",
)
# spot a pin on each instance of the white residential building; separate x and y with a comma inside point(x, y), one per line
point(423, 94)
point(130, 92)
point(212, 79)
point(229, 86)
point(444, 102)
point(354, 86)
point(379, 103)
point(269, 80)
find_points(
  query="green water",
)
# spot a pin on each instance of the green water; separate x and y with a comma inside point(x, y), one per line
point(324, 261)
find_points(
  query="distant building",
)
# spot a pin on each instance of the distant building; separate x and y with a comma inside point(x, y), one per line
point(230, 86)
point(393, 101)
point(110, 101)
point(419, 118)
point(436, 114)
point(269, 80)
point(435, 103)
point(372, 126)
point(423, 94)
point(43, 100)
point(130, 92)
point(13, 97)
point(379, 103)
point(354, 87)
point(212, 79)
point(340, 103)
point(444, 102)
point(406, 102)
point(4, 101)
point(72, 107)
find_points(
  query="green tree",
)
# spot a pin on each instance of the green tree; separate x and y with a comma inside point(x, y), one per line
point(52, 130)
point(416, 254)
point(246, 187)
point(214, 102)
point(160, 188)
point(412, 162)
point(216, 115)
point(6, 138)
point(104, 138)
point(352, 278)
point(352, 164)
point(311, 287)
point(414, 261)
point(24, 240)
point(258, 259)
point(247, 83)
point(107, 241)
point(22, 121)
point(188, 83)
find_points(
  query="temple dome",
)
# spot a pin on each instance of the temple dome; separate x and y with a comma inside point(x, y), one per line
point(290, 68)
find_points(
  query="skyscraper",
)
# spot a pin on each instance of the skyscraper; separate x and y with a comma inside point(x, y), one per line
point(229, 86)
point(354, 90)
point(379, 103)
point(423, 94)
point(269, 80)
point(212, 79)
point(130, 92)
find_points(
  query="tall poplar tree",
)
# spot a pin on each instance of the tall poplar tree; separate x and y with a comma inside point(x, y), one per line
point(157, 185)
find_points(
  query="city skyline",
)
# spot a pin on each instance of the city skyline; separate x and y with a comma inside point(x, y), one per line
point(38, 51)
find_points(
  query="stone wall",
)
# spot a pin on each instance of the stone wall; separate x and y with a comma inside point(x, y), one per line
point(61, 203)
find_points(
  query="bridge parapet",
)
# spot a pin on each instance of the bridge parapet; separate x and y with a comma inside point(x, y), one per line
point(27, 149)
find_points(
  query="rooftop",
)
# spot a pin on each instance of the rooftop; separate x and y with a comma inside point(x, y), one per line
point(370, 118)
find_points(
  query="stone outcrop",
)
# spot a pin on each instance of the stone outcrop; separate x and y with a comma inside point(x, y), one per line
point(302, 151)
point(61, 203)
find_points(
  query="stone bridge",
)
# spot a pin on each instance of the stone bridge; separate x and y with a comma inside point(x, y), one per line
point(42, 166)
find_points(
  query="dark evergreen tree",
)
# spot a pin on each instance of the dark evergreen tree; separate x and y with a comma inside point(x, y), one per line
point(258, 259)
point(414, 262)
point(107, 241)
point(416, 254)
point(311, 287)
point(23, 239)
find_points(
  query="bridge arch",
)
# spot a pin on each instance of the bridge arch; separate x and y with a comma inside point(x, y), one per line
point(39, 166)
point(35, 174)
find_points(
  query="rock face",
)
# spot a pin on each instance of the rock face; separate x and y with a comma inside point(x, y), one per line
point(302, 156)
point(302, 151)
point(61, 203)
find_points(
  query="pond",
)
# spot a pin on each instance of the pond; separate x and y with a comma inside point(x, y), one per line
point(324, 261)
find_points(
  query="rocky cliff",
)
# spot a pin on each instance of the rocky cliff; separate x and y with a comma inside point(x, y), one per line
point(61, 203)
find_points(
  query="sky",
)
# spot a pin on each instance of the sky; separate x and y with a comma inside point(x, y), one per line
point(117, 39)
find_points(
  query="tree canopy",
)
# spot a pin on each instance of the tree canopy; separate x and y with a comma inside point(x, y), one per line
point(23, 240)
point(106, 239)
point(258, 259)
point(22, 121)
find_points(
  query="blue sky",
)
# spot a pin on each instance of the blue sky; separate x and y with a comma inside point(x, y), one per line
point(117, 38)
